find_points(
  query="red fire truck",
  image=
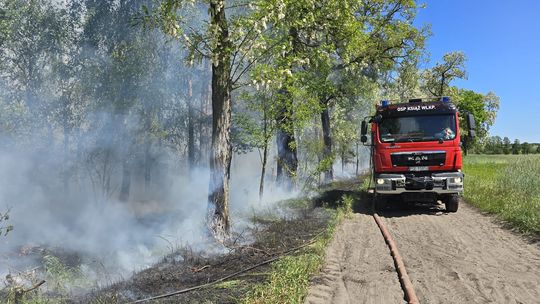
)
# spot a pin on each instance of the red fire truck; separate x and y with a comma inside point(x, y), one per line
point(416, 152)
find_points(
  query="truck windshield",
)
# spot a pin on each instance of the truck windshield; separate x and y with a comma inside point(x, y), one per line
point(417, 128)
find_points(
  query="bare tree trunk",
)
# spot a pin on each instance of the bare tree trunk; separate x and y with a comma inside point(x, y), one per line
point(126, 181)
point(343, 160)
point(263, 170)
point(441, 91)
point(357, 159)
point(66, 130)
point(106, 178)
point(221, 149)
point(265, 154)
point(148, 161)
point(147, 164)
point(327, 139)
point(191, 127)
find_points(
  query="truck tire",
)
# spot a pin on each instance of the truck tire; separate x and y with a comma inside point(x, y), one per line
point(451, 203)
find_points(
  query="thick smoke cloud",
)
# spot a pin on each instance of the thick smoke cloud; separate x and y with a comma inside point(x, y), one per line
point(109, 235)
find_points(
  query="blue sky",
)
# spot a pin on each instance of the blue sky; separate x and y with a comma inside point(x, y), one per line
point(501, 40)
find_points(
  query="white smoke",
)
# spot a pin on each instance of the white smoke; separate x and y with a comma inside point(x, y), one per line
point(115, 238)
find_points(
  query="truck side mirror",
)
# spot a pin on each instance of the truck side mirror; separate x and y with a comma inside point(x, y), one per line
point(363, 132)
point(470, 122)
point(363, 129)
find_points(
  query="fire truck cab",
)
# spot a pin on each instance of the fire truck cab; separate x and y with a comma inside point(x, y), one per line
point(416, 152)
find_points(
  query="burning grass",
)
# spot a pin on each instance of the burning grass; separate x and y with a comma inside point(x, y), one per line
point(508, 186)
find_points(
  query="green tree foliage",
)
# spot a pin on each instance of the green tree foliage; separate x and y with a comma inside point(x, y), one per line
point(437, 79)
point(516, 147)
point(404, 82)
point(330, 54)
point(507, 145)
point(483, 107)
point(257, 125)
point(525, 148)
point(34, 37)
point(493, 145)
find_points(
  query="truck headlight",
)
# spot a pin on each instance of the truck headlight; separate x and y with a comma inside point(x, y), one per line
point(457, 180)
point(380, 181)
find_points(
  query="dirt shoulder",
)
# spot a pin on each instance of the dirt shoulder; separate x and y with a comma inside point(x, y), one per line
point(463, 257)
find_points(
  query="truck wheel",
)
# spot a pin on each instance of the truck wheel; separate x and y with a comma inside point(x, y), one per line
point(451, 203)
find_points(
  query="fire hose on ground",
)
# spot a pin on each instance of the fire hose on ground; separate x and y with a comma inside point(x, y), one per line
point(405, 281)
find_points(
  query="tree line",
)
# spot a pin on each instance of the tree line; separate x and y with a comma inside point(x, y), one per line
point(498, 145)
point(104, 94)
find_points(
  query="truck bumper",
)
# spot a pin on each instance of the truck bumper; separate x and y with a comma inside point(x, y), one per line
point(440, 183)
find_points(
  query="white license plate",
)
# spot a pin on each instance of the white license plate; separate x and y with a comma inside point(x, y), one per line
point(420, 168)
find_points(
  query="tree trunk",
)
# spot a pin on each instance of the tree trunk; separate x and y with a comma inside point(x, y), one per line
point(126, 181)
point(441, 90)
point(343, 160)
point(147, 164)
point(263, 170)
point(265, 154)
point(106, 178)
point(327, 139)
point(221, 148)
point(67, 162)
point(287, 160)
point(148, 160)
point(191, 128)
point(357, 159)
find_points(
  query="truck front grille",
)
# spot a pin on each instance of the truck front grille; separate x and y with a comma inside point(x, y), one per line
point(420, 158)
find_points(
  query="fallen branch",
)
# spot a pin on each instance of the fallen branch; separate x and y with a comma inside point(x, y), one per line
point(34, 287)
point(195, 269)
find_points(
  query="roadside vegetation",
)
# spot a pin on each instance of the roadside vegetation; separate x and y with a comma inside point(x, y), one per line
point(506, 185)
point(289, 279)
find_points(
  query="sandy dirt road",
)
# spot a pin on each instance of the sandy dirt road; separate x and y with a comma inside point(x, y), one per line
point(463, 257)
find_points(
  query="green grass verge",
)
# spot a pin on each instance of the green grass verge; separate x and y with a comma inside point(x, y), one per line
point(506, 185)
point(289, 278)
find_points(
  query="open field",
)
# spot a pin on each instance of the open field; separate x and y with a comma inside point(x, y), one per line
point(506, 185)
